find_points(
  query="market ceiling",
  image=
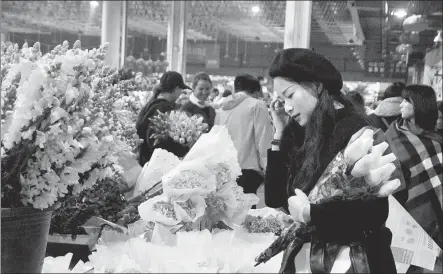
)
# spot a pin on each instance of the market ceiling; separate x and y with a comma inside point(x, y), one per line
point(334, 23)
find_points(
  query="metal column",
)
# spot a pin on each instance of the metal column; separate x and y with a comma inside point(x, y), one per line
point(114, 18)
point(298, 24)
point(176, 43)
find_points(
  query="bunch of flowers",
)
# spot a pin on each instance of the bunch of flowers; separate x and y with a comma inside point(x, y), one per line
point(178, 126)
point(118, 122)
point(60, 139)
point(202, 189)
point(137, 83)
point(10, 56)
point(104, 200)
point(133, 102)
point(362, 171)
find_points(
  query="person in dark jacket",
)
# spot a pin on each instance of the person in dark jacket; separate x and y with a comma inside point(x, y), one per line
point(388, 110)
point(313, 121)
point(198, 103)
point(165, 94)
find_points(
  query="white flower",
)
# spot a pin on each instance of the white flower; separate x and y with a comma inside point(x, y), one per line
point(57, 113)
point(71, 94)
point(41, 138)
point(108, 139)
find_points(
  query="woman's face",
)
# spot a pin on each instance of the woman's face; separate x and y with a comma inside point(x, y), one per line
point(407, 109)
point(202, 90)
point(299, 103)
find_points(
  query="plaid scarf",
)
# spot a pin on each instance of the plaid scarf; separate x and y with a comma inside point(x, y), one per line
point(421, 152)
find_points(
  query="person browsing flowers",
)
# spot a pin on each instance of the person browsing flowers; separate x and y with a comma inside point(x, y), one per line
point(165, 94)
point(313, 121)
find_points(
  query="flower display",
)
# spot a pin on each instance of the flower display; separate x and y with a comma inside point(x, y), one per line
point(363, 170)
point(62, 136)
point(202, 187)
point(137, 83)
point(178, 126)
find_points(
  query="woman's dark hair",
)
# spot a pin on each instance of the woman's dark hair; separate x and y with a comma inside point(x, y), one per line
point(394, 90)
point(201, 76)
point(305, 145)
point(424, 100)
point(311, 70)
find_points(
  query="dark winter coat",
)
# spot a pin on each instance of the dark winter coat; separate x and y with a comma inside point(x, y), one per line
point(337, 220)
point(144, 131)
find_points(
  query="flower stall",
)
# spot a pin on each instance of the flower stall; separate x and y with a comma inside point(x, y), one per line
point(68, 136)
point(199, 207)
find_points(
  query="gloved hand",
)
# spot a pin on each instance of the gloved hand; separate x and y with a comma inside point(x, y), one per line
point(299, 207)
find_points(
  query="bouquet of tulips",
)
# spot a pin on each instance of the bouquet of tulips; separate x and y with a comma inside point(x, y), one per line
point(178, 126)
point(365, 169)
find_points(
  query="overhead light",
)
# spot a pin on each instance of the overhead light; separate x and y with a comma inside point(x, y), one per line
point(93, 4)
point(399, 13)
point(255, 9)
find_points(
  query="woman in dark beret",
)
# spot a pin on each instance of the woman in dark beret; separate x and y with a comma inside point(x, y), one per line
point(313, 121)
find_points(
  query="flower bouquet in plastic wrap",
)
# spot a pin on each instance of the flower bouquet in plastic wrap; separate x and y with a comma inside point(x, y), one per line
point(201, 191)
point(365, 169)
point(178, 126)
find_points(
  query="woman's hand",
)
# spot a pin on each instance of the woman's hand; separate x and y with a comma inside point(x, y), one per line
point(299, 207)
point(279, 117)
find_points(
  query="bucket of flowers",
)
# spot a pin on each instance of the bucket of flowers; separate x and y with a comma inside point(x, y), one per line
point(54, 142)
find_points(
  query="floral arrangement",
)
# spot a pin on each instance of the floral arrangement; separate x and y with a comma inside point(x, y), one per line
point(201, 191)
point(133, 102)
point(137, 83)
point(178, 126)
point(362, 171)
point(60, 137)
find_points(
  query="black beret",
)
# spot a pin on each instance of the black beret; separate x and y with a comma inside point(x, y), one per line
point(305, 65)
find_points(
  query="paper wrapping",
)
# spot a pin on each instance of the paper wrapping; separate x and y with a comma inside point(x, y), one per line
point(160, 164)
